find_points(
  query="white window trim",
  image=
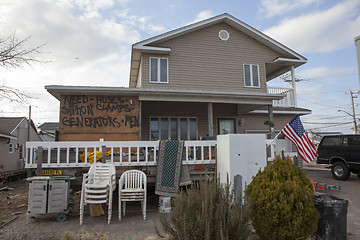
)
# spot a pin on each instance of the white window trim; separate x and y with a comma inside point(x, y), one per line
point(158, 70)
point(11, 147)
point(178, 126)
point(251, 75)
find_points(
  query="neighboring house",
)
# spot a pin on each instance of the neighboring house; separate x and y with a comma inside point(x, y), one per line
point(192, 83)
point(13, 136)
point(49, 131)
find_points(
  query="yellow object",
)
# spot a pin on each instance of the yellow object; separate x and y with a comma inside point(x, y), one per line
point(90, 156)
point(97, 210)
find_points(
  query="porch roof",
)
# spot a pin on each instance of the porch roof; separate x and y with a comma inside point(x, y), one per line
point(167, 95)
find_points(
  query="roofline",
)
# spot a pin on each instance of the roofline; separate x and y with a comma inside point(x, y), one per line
point(7, 136)
point(203, 23)
point(139, 47)
point(295, 111)
point(160, 94)
point(17, 125)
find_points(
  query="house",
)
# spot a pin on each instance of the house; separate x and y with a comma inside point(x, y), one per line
point(49, 131)
point(13, 136)
point(208, 78)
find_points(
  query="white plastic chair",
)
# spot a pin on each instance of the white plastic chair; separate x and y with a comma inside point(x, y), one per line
point(132, 187)
point(98, 186)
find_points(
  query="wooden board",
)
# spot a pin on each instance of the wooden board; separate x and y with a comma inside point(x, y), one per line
point(89, 114)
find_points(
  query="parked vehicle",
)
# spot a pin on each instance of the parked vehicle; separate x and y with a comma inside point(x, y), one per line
point(342, 152)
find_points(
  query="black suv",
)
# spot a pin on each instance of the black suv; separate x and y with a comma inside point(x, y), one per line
point(342, 152)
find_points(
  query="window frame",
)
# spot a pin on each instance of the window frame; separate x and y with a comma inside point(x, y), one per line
point(11, 147)
point(251, 75)
point(226, 118)
point(159, 70)
point(188, 132)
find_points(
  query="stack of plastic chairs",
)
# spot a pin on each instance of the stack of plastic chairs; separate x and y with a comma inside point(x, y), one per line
point(97, 187)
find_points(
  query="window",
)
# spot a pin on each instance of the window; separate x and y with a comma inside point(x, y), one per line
point(21, 152)
point(159, 70)
point(11, 147)
point(251, 75)
point(173, 128)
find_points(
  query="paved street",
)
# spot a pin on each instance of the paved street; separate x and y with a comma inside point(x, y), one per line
point(349, 190)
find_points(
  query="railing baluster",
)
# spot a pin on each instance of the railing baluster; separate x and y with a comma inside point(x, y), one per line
point(77, 156)
point(86, 158)
point(67, 156)
point(202, 152)
point(58, 156)
point(49, 155)
point(138, 154)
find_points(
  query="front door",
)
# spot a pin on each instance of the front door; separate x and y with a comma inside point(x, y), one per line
point(226, 126)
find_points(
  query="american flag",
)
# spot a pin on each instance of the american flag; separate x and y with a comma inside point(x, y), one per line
point(295, 132)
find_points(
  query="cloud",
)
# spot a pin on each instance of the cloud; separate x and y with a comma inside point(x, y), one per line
point(270, 8)
point(326, 73)
point(203, 15)
point(87, 41)
point(326, 31)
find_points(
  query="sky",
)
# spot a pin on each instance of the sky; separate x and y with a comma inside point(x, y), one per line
point(88, 43)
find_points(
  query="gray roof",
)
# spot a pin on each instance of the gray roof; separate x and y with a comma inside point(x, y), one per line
point(49, 126)
point(9, 124)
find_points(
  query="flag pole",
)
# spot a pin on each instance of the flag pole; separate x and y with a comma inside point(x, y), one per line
point(272, 140)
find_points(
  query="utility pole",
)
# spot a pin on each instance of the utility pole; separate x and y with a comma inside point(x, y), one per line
point(353, 109)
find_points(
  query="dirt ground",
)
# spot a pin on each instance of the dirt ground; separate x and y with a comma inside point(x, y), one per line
point(13, 205)
point(13, 202)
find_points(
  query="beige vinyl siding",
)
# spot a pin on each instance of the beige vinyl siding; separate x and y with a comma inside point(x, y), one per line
point(200, 60)
point(256, 122)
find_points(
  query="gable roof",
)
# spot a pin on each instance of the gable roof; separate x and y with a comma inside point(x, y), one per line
point(9, 124)
point(288, 55)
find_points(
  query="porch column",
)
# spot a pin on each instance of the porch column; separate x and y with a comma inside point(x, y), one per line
point(271, 121)
point(293, 84)
point(140, 109)
point(210, 120)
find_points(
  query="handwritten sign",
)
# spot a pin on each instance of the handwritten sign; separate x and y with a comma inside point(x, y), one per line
point(99, 114)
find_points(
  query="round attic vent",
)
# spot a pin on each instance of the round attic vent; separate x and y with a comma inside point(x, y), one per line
point(224, 35)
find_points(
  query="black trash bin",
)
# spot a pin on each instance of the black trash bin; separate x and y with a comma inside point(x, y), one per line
point(333, 213)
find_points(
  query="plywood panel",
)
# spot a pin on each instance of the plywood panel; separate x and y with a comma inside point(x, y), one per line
point(90, 114)
point(97, 137)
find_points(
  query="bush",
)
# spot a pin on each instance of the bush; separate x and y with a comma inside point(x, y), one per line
point(206, 211)
point(281, 202)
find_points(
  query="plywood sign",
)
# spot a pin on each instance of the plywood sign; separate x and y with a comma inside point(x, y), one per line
point(99, 114)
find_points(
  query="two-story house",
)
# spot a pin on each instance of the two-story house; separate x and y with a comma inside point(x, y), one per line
point(191, 83)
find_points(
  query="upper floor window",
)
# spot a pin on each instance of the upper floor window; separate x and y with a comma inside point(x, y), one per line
point(251, 75)
point(159, 70)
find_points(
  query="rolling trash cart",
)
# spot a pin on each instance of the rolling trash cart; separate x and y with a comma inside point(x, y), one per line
point(49, 195)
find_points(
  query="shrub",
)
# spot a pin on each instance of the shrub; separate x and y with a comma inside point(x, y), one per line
point(281, 202)
point(206, 211)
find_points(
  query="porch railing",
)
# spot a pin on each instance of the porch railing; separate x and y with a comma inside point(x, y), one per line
point(120, 153)
point(288, 101)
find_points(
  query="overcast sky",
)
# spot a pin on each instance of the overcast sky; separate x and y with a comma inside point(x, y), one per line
point(88, 42)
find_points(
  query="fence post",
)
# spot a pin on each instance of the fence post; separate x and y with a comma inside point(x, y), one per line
point(39, 161)
point(238, 188)
point(103, 154)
